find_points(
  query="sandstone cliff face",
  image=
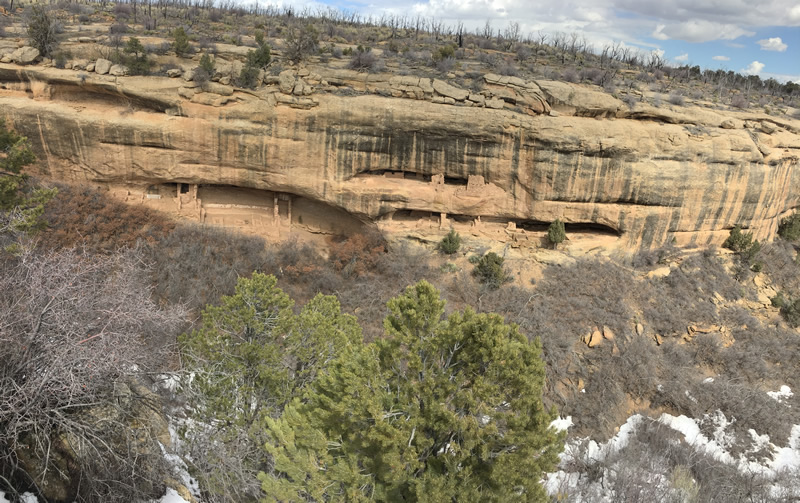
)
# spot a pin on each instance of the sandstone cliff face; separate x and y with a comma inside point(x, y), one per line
point(401, 152)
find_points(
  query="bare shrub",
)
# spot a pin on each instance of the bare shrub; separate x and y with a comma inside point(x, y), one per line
point(677, 99)
point(739, 101)
point(73, 327)
point(81, 216)
point(42, 29)
point(197, 265)
point(445, 65)
point(570, 75)
point(357, 254)
point(507, 68)
point(363, 60)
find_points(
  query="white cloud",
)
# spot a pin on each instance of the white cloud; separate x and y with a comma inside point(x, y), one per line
point(772, 44)
point(781, 77)
point(721, 58)
point(753, 68)
point(699, 30)
point(658, 33)
point(683, 58)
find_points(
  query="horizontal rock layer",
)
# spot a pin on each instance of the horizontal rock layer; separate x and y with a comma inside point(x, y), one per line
point(649, 175)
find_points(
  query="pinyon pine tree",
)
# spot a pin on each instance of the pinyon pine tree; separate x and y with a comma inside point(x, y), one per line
point(250, 357)
point(441, 409)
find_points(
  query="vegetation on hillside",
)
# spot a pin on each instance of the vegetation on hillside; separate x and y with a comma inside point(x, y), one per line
point(393, 394)
point(663, 366)
point(422, 45)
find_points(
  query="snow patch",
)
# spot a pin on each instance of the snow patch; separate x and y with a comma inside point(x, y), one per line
point(560, 424)
point(789, 456)
point(172, 496)
point(3, 498)
point(781, 395)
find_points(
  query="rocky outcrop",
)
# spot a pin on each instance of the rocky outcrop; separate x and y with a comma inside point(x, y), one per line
point(397, 148)
point(24, 55)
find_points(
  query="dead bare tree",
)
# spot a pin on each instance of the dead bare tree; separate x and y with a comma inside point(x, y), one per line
point(73, 328)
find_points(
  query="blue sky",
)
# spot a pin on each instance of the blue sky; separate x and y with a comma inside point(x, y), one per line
point(752, 36)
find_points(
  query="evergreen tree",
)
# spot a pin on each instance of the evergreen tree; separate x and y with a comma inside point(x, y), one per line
point(490, 271)
point(136, 57)
point(450, 243)
point(438, 410)
point(250, 357)
point(181, 44)
point(21, 203)
point(556, 233)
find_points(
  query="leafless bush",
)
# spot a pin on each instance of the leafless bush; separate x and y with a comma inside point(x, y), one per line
point(196, 265)
point(524, 53)
point(780, 264)
point(72, 327)
point(739, 101)
point(507, 68)
point(657, 100)
point(122, 11)
point(570, 75)
point(445, 65)
point(676, 99)
point(364, 60)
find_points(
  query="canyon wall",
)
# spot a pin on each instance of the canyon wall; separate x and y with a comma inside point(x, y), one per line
point(380, 149)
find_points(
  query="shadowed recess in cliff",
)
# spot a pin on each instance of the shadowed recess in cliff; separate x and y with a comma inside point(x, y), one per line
point(85, 90)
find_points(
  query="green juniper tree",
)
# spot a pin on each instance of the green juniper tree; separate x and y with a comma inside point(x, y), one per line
point(441, 409)
point(490, 271)
point(180, 43)
point(556, 233)
point(250, 357)
point(21, 203)
point(450, 243)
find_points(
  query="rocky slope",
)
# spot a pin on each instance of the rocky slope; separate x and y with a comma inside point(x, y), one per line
point(333, 150)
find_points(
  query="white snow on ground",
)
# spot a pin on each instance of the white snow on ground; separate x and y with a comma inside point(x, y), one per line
point(561, 424)
point(172, 496)
point(591, 451)
point(28, 498)
point(583, 452)
point(3, 498)
point(789, 456)
point(784, 393)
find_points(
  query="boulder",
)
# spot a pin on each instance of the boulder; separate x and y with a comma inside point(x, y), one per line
point(90, 67)
point(211, 99)
point(301, 88)
point(495, 103)
point(220, 89)
point(286, 81)
point(25, 55)
point(102, 66)
point(188, 75)
point(185, 92)
point(80, 64)
point(579, 100)
point(728, 124)
point(595, 339)
point(118, 70)
point(449, 91)
point(174, 73)
point(767, 127)
point(607, 333)
point(478, 99)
